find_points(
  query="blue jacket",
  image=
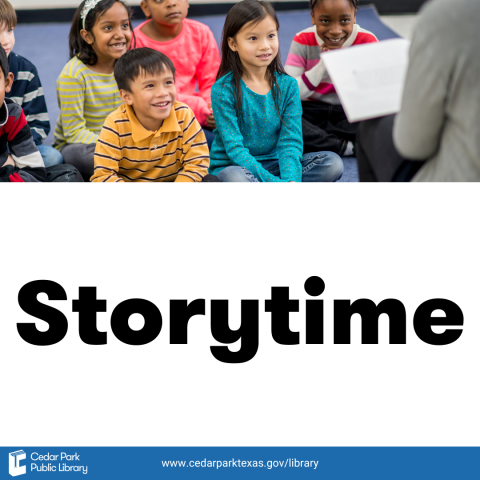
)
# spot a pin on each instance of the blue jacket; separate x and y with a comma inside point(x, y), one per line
point(27, 92)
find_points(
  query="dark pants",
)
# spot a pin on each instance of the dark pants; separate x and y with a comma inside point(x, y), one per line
point(326, 128)
point(55, 173)
point(63, 173)
point(210, 136)
point(378, 159)
point(81, 156)
point(210, 178)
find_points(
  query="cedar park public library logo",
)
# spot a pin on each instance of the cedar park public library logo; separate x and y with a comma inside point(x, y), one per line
point(14, 467)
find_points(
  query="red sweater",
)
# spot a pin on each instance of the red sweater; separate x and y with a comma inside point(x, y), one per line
point(304, 64)
point(196, 58)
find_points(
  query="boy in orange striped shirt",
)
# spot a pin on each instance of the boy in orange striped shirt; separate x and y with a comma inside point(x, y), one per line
point(151, 137)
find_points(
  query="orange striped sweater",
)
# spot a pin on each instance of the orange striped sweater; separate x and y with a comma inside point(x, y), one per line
point(128, 152)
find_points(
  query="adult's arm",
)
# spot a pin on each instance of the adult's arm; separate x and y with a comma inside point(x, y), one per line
point(418, 127)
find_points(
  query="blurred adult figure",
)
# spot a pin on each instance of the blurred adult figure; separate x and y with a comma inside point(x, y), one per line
point(436, 135)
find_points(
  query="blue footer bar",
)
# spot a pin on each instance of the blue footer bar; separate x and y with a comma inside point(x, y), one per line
point(335, 463)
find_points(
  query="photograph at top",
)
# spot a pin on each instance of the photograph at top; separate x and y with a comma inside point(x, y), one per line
point(250, 91)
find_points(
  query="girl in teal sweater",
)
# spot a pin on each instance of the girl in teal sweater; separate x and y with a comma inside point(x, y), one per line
point(257, 107)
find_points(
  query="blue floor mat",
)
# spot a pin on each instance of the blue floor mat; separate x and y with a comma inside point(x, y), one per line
point(350, 170)
point(46, 45)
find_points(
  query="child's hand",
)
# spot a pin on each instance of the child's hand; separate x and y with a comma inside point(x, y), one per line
point(324, 48)
point(9, 161)
point(211, 122)
point(210, 119)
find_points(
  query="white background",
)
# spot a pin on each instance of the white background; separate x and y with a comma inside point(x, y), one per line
point(162, 242)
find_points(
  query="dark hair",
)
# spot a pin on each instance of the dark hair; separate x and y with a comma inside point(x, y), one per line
point(354, 4)
point(141, 60)
point(239, 15)
point(8, 16)
point(4, 62)
point(78, 46)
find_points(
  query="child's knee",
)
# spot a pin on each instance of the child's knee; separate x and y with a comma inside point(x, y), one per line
point(336, 166)
point(235, 174)
point(322, 167)
point(51, 156)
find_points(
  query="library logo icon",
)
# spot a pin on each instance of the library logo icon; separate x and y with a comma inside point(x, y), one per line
point(14, 467)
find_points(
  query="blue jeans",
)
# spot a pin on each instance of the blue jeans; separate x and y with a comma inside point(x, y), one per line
point(316, 167)
point(50, 155)
point(209, 135)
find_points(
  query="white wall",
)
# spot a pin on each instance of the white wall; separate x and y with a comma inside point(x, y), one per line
point(35, 4)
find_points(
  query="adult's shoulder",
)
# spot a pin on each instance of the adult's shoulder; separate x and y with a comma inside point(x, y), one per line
point(443, 9)
point(440, 16)
point(445, 30)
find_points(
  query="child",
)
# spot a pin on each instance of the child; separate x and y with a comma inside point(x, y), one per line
point(87, 92)
point(325, 125)
point(20, 160)
point(27, 89)
point(191, 47)
point(151, 138)
point(257, 107)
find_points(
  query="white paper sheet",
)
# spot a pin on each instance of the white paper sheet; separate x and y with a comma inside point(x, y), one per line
point(369, 78)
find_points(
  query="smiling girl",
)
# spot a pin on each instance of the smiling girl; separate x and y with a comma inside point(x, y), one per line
point(325, 125)
point(86, 89)
point(257, 107)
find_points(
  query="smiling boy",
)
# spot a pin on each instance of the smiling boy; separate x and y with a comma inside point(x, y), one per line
point(151, 137)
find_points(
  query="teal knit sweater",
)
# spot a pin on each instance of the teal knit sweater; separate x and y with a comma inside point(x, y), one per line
point(259, 134)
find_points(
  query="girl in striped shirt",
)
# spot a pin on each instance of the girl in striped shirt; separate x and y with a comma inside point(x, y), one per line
point(325, 125)
point(86, 89)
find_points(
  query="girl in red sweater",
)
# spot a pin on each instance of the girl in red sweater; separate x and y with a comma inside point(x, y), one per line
point(192, 48)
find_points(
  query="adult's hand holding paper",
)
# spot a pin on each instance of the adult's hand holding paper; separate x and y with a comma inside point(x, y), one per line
point(369, 79)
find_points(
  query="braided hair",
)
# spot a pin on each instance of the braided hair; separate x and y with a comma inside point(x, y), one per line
point(354, 4)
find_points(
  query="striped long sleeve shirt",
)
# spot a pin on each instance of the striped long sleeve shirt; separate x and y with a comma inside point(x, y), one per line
point(16, 138)
point(304, 64)
point(27, 91)
point(85, 99)
point(128, 152)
